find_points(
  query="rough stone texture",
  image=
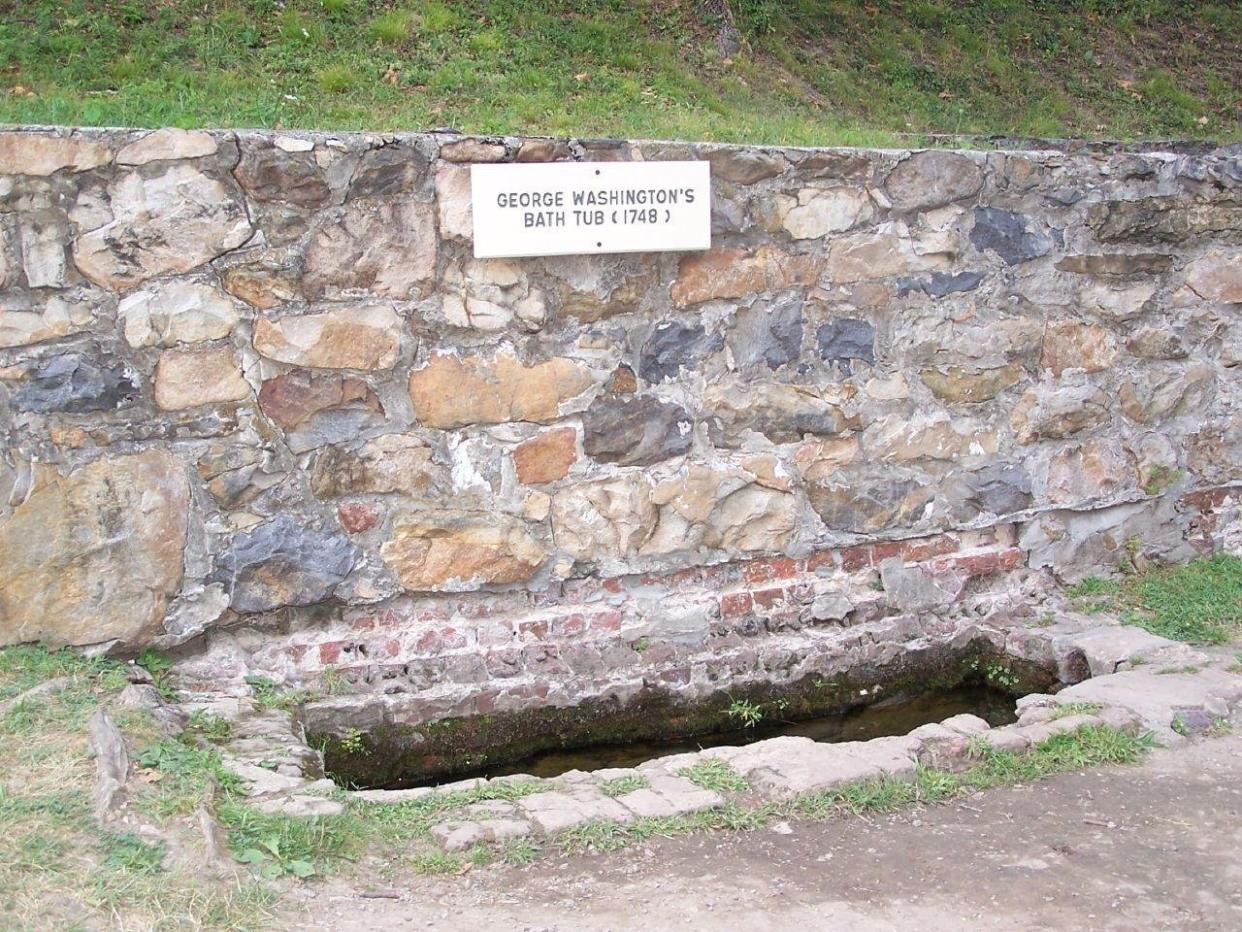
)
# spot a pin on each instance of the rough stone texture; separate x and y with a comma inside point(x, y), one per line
point(453, 391)
point(41, 155)
point(474, 487)
point(1009, 235)
point(96, 555)
point(932, 179)
point(282, 562)
point(454, 554)
point(189, 378)
point(76, 383)
point(163, 224)
point(388, 251)
point(176, 312)
point(635, 431)
point(366, 337)
point(770, 334)
point(547, 456)
point(168, 145)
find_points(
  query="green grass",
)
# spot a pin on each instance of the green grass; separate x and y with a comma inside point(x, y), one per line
point(713, 774)
point(1200, 603)
point(622, 785)
point(809, 71)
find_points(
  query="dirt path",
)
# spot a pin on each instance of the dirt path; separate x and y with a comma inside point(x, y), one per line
point(1152, 847)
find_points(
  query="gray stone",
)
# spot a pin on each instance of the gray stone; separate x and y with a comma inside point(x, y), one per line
point(282, 562)
point(831, 606)
point(846, 339)
point(768, 333)
point(917, 589)
point(1009, 235)
point(1001, 488)
point(783, 413)
point(389, 170)
point(939, 284)
point(76, 383)
point(933, 178)
point(672, 346)
point(1109, 648)
point(502, 830)
point(301, 807)
point(459, 836)
point(111, 766)
point(635, 431)
point(1161, 219)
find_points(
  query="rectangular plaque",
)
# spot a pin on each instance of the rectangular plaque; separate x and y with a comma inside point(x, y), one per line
point(575, 208)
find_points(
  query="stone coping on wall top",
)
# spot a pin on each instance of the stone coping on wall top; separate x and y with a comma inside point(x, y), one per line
point(1014, 145)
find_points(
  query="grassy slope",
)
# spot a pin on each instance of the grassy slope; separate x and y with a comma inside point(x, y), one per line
point(811, 71)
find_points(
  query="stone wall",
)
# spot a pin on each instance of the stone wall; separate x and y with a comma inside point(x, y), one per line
point(261, 406)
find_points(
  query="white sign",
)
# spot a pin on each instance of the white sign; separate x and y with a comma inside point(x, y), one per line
point(574, 208)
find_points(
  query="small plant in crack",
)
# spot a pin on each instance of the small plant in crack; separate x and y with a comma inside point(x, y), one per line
point(747, 713)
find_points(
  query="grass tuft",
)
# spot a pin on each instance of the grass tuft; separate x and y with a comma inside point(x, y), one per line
point(714, 774)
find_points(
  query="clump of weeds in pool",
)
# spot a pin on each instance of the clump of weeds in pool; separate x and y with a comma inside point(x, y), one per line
point(999, 675)
point(748, 714)
point(622, 785)
point(715, 775)
point(353, 743)
point(1200, 602)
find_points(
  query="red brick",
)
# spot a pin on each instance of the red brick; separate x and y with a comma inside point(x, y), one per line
point(736, 604)
point(298, 651)
point(885, 549)
point(494, 633)
point(438, 640)
point(980, 564)
point(568, 625)
point(855, 558)
point(770, 597)
point(924, 548)
point(1206, 499)
point(330, 651)
point(823, 560)
point(756, 571)
point(532, 629)
point(607, 620)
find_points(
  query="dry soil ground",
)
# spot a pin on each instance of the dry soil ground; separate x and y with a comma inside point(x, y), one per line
point(1155, 846)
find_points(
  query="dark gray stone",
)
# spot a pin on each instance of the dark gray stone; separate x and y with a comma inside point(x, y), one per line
point(1001, 488)
point(672, 346)
point(939, 284)
point(635, 430)
point(282, 562)
point(271, 174)
point(75, 383)
point(1008, 235)
point(846, 339)
point(768, 333)
point(388, 170)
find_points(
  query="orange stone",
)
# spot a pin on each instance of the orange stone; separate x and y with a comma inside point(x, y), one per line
point(546, 457)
